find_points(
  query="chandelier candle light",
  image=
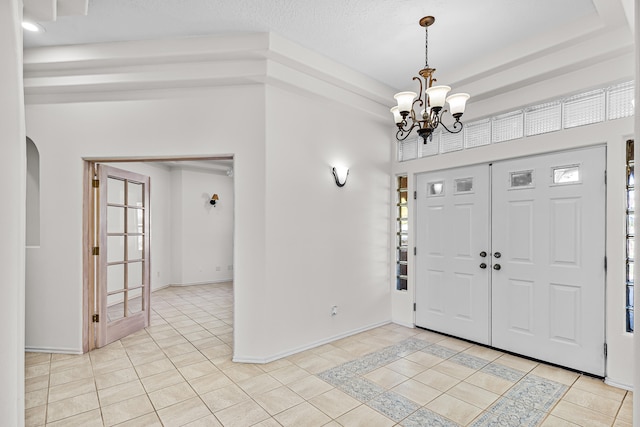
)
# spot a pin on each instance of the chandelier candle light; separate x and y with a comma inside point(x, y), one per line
point(434, 98)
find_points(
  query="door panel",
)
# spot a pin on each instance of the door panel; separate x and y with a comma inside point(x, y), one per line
point(452, 291)
point(123, 285)
point(548, 296)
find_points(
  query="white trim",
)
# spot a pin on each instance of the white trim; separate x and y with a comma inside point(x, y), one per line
point(617, 384)
point(308, 346)
point(406, 325)
point(53, 350)
point(208, 282)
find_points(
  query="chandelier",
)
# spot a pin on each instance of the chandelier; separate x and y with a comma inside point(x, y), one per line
point(429, 117)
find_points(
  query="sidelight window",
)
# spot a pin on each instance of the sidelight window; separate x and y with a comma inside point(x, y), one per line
point(631, 233)
point(402, 233)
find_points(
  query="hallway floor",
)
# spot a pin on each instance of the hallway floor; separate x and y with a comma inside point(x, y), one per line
point(179, 372)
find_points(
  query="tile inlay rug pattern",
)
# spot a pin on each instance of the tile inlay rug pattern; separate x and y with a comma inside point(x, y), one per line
point(524, 404)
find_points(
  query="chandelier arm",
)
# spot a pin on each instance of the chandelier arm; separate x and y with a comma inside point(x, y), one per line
point(401, 132)
point(419, 98)
point(455, 126)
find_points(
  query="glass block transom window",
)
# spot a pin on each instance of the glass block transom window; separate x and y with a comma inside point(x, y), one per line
point(631, 235)
point(402, 234)
point(594, 106)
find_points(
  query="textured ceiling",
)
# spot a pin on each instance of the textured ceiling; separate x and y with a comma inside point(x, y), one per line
point(380, 38)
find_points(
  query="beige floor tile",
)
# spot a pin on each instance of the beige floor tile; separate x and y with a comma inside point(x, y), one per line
point(36, 370)
point(187, 359)
point(601, 404)
point(184, 412)
point(489, 382)
point(35, 398)
point(197, 370)
point(482, 352)
point(278, 400)
point(105, 366)
point(454, 409)
point(120, 392)
point(180, 349)
point(217, 351)
point(70, 375)
point(269, 422)
point(289, 374)
point(553, 421)
point(210, 382)
point(626, 410)
point(472, 394)
point(208, 421)
point(171, 395)
point(424, 359)
point(598, 387)
point(114, 378)
point(148, 420)
point(580, 415)
point(33, 358)
point(246, 413)
point(455, 344)
point(239, 372)
point(454, 370)
point(36, 383)
point(386, 377)
point(406, 367)
point(276, 364)
point(155, 367)
point(259, 384)
point(126, 410)
point(72, 389)
point(35, 417)
point(515, 362)
point(552, 373)
point(310, 387)
point(302, 414)
point(146, 358)
point(86, 419)
point(417, 391)
point(161, 380)
point(71, 363)
point(224, 397)
point(334, 403)
point(314, 363)
point(621, 423)
point(436, 380)
point(72, 406)
point(363, 416)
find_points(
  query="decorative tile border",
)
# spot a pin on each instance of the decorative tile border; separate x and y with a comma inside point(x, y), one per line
point(536, 392)
point(393, 405)
point(503, 372)
point(440, 351)
point(507, 412)
point(469, 361)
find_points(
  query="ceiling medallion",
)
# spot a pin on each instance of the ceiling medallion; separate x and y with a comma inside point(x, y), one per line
point(435, 97)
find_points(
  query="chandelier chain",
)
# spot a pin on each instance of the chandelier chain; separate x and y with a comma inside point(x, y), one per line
point(426, 47)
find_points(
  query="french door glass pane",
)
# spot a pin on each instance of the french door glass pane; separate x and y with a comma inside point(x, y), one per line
point(135, 274)
point(115, 219)
point(115, 248)
point(135, 301)
point(134, 194)
point(115, 277)
point(134, 247)
point(115, 192)
point(135, 220)
point(115, 306)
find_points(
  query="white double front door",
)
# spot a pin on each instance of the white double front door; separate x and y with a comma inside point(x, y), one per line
point(512, 255)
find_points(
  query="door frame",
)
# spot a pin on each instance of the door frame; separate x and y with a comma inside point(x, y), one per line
point(89, 231)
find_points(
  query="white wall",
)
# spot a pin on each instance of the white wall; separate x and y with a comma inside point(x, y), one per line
point(203, 233)
point(12, 216)
point(173, 123)
point(325, 245)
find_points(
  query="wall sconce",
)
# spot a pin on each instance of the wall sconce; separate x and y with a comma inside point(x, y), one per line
point(340, 173)
point(214, 199)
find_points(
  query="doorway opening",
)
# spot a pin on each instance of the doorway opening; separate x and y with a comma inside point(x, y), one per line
point(190, 238)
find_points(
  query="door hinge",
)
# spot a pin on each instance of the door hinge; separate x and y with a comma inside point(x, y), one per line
point(95, 183)
point(414, 306)
point(605, 263)
point(415, 251)
point(605, 177)
point(95, 250)
point(605, 349)
point(96, 318)
point(415, 195)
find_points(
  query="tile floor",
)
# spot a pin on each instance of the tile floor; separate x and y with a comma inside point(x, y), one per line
point(179, 372)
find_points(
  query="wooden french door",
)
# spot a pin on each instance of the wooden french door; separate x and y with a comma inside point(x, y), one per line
point(122, 279)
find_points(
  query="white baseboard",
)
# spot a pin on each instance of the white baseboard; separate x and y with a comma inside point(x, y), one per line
point(240, 359)
point(52, 350)
point(617, 384)
point(406, 325)
point(208, 282)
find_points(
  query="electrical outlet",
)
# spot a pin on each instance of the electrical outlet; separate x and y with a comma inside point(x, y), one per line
point(334, 310)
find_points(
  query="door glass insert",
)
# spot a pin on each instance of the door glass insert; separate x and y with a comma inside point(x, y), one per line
point(521, 179)
point(115, 277)
point(115, 219)
point(134, 194)
point(435, 188)
point(115, 306)
point(134, 304)
point(566, 174)
point(464, 185)
point(134, 247)
point(631, 235)
point(115, 194)
point(115, 248)
point(134, 278)
point(135, 220)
